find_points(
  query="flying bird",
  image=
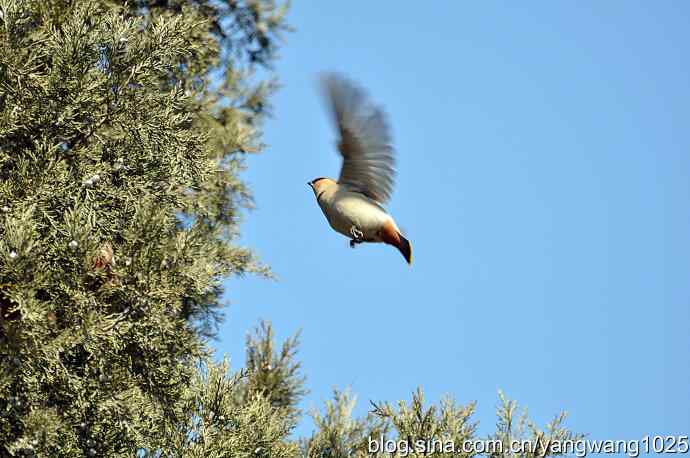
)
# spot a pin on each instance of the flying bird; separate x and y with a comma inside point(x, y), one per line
point(353, 205)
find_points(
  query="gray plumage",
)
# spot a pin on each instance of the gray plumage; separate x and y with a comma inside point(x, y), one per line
point(365, 140)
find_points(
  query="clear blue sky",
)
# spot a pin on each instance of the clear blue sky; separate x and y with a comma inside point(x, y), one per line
point(544, 180)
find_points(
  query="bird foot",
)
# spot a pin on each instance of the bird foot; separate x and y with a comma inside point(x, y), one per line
point(357, 236)
point(354, 243)
point(356, 233)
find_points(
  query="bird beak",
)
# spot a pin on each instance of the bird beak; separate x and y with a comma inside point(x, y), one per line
point(309, 184)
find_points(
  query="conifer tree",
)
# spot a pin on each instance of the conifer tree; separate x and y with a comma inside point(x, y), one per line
point(416, 430)
point(122, 130)
point(248, 413)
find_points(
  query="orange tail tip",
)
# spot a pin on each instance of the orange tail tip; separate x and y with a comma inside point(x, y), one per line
point(391, 236)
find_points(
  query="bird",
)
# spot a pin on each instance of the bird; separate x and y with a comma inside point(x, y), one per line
point(105, 258)
point(103, 265)
point(354, 203)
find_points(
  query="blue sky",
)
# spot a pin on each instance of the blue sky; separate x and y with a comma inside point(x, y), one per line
point(543, 179)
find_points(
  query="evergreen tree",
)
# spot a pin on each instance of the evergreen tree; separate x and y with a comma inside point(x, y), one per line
point(122, 130)
point(249, 413)
point(416, 430)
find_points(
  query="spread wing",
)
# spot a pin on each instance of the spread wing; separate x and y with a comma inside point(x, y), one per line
point(365, 140)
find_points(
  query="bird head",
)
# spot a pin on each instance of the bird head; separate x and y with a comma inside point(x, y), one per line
point(320, 184)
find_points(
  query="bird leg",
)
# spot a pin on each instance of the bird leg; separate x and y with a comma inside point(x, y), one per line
point(357, 236)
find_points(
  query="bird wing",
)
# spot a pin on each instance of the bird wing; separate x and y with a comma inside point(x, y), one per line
point(365, 140)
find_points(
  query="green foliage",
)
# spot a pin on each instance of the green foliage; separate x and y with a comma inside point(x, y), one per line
point(274, 375)
point(338, 434)
point(415, 430)
point(120, 197)
point(414, 422)
point(216, 425)
point(512, 427)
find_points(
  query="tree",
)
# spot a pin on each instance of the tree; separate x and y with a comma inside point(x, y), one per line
point(249, 413)
point(122, 131)
point(416, 430)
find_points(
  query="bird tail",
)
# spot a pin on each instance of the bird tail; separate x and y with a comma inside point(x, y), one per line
point(392, 236)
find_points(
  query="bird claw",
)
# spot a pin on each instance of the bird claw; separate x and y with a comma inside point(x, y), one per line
point(356, 233)
point(357, 236)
